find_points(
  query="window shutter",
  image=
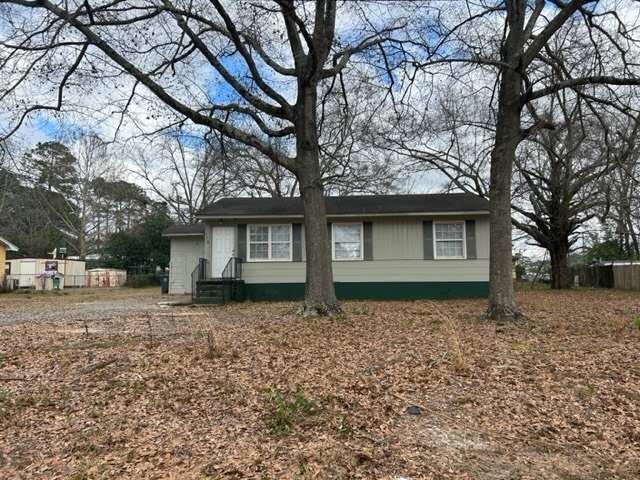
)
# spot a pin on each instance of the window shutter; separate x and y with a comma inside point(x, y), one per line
point(470, 230)
point(296, 238)
point(329, 233)
point(242, 241)
point(367, 243)
point(427, 238)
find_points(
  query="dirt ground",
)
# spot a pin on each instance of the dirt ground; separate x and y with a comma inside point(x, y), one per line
point(111, 384)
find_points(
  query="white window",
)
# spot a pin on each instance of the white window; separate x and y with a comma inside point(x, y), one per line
point(269, 242)
point(347, 241)
point(449, 239)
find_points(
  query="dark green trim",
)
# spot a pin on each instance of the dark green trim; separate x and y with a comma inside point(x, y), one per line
point(367, 241)
point(296, 237)
point(242, 241)
point(373, 290)
point(470, 231)
point(427, 239)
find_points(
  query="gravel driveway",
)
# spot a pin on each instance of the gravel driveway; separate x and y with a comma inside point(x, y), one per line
point(89, 304)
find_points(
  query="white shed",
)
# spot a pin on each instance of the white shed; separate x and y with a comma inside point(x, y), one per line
point(29, 271)
point(106, 277)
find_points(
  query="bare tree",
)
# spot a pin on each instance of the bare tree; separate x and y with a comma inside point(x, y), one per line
point(183, 170)
point(526, 46)
point(524, 51)
point(450, 139)
point(622, 208)
point(350, 128)
point(559, 180)
point(92, 162)
point(264, 64)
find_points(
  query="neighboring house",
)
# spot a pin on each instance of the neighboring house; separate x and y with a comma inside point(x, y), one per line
point(383, 246)
point(5, 246)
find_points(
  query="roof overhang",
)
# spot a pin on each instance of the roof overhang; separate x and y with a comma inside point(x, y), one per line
point(8, 245)
point(348, 215)
point(190, 230)
point(363, 206)
point(182, 234)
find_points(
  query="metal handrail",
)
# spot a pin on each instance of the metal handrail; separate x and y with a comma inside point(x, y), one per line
point(199, 273)
point(233, 269)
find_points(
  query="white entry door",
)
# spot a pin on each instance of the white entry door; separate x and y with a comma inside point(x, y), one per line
point(223, 248)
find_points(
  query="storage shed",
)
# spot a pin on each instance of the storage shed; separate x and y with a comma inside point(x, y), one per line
point(29, 271)
point(106, 277)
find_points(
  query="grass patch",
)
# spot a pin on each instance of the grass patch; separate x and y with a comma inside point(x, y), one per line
point(586, 391)
point(283, 408)
point(524, 347)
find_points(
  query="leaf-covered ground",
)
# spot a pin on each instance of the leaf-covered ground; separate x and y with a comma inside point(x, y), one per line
point(114, 385)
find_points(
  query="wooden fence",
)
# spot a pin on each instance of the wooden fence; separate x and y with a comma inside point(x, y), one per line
point(625, 276)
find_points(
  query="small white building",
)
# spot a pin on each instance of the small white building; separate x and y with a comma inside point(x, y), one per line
point(106, 277)
point(34, 272)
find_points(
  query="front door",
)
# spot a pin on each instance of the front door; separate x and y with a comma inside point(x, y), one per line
point(223, 248)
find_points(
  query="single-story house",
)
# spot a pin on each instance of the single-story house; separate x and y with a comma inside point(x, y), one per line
point(383, 246)
point(5, 246)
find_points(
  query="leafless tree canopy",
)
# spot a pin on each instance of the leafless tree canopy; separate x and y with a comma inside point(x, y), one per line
point(513, 57)
point(253, 71)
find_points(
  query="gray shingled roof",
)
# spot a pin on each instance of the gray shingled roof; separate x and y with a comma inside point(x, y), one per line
point(184, 230)
point(351, 205)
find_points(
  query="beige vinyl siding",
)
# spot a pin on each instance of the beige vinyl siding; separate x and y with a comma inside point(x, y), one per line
point(208, 233)
point(482, 236)
point(375, 271)
point(185, 252)
point(413, 271)
point(397, 239)
point(273, 272)
point(401, 238)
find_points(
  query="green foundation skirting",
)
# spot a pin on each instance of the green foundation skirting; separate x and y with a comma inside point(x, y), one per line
point(373, 291)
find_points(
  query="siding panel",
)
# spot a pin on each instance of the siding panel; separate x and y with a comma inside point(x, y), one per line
point(397, 239)
point(376, 271)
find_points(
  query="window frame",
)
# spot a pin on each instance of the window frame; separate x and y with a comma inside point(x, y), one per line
point(463, 240)
point(333, 242)
point(269, 242)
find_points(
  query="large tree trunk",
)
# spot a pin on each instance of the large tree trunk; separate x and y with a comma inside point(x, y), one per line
point(560, 270)
point(320, 297)
point(502, 305)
